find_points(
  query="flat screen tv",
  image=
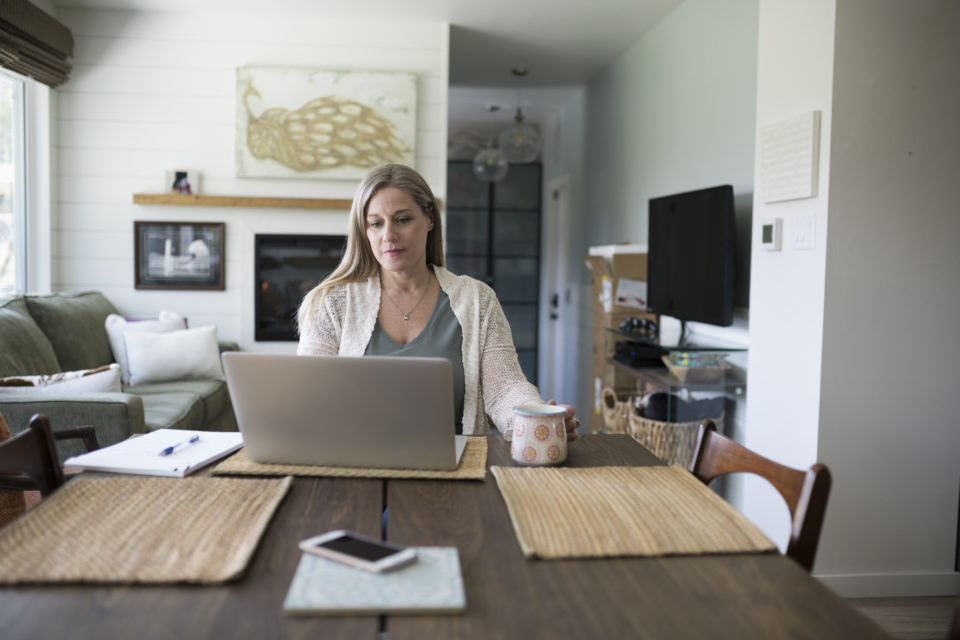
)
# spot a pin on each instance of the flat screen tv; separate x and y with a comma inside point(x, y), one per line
point(690, 257)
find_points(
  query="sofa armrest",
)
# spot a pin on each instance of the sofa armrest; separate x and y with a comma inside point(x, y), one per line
point(114, 416)
point(226, 345)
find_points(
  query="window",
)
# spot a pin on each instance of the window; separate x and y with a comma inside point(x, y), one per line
point(13, 276)
point(493, 235)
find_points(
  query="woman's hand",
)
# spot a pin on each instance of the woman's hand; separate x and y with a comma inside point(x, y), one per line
point(569, 421)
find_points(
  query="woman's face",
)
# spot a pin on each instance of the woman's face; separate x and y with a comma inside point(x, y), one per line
point(397, 230)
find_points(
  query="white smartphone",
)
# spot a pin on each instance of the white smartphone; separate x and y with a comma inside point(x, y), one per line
point(359, 551)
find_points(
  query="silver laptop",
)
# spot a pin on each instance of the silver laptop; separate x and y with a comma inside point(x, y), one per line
point(373, 411)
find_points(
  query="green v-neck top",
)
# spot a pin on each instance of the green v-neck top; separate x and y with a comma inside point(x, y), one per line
point(441, 338)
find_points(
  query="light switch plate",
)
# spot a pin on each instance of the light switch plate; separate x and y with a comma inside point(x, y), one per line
point(803, 231)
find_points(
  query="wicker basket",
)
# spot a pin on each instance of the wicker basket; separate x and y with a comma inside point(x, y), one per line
point(672, 442)
point(616, 410)
point(693, 375)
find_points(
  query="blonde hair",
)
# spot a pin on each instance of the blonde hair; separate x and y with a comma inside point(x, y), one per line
point(358, 262)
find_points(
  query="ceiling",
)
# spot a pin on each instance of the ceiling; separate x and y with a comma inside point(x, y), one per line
point(561, 42)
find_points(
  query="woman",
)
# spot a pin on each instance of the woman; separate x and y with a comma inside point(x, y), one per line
point(391, 295)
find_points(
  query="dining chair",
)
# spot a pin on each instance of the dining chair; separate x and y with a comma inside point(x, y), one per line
point(85, 433)
point(29, 466)
point(29, 459)
point(805, 492)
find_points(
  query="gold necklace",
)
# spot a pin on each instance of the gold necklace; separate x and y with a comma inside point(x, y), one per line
point(406, 315)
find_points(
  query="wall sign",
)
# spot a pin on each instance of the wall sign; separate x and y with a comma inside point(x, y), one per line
point(789, 158)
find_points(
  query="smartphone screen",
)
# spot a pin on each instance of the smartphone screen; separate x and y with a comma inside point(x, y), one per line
point(359, 548)
point(359, 551)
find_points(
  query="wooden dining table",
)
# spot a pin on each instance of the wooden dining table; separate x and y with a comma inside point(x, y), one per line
point(746, 595)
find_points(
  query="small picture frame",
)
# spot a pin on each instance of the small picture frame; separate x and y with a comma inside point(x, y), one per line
point(179, 255)
point(183, 182)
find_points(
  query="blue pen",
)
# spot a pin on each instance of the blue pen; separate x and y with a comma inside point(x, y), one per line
point(174, 447)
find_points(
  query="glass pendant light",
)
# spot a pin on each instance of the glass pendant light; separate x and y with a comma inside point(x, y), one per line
point(490, 165)
point(520, 142)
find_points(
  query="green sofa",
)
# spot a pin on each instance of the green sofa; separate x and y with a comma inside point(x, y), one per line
point(47, 334)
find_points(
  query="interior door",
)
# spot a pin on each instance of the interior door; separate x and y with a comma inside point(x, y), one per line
point(556, 313)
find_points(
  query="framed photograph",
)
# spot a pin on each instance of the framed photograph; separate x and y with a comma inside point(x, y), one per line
point(178, 255)
point(319, 123)
point(183, 181)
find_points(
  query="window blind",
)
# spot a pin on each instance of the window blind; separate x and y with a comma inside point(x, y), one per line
point(33, 43)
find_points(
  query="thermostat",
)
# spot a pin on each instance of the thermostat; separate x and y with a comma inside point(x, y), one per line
point(770, 232)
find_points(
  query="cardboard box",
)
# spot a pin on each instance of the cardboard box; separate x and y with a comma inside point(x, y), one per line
point(618, 283)
point(618, 278)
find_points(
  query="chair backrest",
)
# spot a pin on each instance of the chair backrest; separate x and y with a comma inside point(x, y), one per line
point(805, 492)
point(29, 460)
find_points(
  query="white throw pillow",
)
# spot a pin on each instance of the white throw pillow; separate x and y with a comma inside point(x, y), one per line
point(187, 354)
point(105, 379)
point(116, 326)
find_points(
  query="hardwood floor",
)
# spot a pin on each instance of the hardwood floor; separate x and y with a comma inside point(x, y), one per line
point(910, 618)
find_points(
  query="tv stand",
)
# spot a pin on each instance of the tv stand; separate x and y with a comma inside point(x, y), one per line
point(650, 378)
point(672, 343)
point(684, 340)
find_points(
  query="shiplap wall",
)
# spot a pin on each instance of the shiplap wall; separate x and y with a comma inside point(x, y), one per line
point(151, 92)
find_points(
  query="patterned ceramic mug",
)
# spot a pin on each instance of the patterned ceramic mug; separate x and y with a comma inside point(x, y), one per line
point(539, 434)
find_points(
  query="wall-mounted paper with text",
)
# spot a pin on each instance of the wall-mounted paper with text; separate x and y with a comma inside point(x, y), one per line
point(789, 158)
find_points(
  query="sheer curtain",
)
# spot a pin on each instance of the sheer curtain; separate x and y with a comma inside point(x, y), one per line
point(12, 185)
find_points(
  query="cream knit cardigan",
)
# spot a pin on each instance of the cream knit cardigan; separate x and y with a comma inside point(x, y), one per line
point(492, 379)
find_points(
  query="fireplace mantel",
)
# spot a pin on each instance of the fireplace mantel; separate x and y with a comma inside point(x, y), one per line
point(241, 201)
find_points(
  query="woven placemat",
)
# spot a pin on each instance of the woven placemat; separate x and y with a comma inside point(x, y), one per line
point(473, 466)
point(621, 511)
point(135, 529)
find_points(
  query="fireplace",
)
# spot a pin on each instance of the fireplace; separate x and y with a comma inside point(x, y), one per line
point(286, 267)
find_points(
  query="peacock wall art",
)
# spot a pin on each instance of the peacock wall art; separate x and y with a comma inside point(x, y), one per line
point(305, 123)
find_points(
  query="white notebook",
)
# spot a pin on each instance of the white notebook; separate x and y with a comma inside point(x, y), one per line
point(141, 454)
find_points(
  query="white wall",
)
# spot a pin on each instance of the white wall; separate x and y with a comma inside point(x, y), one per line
point(566, 134)
point(795, 75)
point(674, 113)
point(889, 395)
point(853, 343)
point(152, 92)
point(45, 6)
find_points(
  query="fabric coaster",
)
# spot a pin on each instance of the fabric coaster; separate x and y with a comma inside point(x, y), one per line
point(473, 466)
point(141, 530)
point(432, 584)
point(621, 511)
